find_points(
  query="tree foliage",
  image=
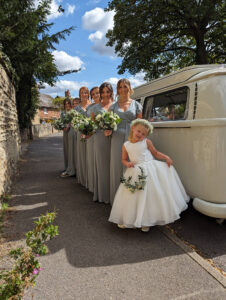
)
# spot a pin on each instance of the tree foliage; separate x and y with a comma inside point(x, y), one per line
point(26, 41)
point(157, 36)
point(59, 102)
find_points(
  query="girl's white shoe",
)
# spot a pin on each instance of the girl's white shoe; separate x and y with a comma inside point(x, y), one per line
point(145, 228)
point(121, 226)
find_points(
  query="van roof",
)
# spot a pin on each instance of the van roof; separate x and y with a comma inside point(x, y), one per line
point(191, 73)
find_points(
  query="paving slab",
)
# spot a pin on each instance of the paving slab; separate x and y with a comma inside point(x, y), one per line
point(205, 234)
point(92, 258)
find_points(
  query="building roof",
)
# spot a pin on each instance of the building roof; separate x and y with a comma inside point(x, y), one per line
point(46, 101)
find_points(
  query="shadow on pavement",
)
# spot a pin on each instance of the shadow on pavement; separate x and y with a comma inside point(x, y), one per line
point(85, 233)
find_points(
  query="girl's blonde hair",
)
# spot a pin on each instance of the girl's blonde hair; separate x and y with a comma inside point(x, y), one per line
point(127, 83)
point(142, 122)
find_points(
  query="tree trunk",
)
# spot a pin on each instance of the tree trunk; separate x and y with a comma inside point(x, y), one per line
point(201, 54)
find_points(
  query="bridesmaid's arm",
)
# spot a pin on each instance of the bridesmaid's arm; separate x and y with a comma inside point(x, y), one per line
point(158, 154)
point(139, 115)
point(125, 161)
point(92, 116)
point(107, 132)
point(66, 129)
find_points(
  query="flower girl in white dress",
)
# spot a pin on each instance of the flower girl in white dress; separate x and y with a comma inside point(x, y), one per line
point(150, 192)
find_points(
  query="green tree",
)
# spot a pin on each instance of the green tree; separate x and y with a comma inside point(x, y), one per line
point(26, 41)
point(59, 102)
point(158, 36)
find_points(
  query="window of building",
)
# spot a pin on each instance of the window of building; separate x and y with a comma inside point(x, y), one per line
point(45, 111)
point(169, 106)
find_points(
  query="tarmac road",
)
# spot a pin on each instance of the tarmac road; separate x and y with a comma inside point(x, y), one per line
point(93, 259)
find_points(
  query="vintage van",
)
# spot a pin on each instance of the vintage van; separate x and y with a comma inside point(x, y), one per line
point(188, 111)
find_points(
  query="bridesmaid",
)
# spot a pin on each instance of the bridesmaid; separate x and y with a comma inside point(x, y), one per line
point(102, 147)
point(95, 96)
point(67, 108)
point(128, 110)
point(72, 146)
point(81, 146)
point(76, 102)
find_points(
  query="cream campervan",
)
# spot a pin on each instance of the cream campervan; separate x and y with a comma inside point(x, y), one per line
point(188, 111)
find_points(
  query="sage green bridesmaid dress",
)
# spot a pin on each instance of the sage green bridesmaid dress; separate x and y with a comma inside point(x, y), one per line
point(81, 154)
point(119, 137)
point(71, 152)
point(90, 155)
point(102, 147)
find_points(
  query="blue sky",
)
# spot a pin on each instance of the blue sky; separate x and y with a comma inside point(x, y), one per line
point(85, 47)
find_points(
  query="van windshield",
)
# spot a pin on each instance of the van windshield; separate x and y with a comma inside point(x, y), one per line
point(168, 106)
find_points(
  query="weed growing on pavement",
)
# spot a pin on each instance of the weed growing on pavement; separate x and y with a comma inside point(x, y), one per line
point(4, 199)
point(14, 282)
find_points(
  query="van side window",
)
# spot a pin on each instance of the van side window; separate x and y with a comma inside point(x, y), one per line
point(168, 106)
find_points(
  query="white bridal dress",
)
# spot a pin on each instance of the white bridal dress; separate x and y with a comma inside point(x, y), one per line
point(163, 197)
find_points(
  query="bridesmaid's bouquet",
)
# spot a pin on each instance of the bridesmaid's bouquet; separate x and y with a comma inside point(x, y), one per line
point(107, 120)
point(64, 120)
point(84, 125)
point(77, 119)
point(58, 124)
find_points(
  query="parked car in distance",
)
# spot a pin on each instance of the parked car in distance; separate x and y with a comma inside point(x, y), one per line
point(188, 111)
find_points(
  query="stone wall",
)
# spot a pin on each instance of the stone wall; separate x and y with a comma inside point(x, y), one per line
point(43, 130)
point(9, 130)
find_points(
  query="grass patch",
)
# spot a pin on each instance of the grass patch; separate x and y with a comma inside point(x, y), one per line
point(4, 199)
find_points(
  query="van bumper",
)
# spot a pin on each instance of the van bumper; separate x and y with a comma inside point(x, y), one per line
point(210, 209)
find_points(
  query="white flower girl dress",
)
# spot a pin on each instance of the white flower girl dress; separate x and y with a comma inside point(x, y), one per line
point(163, 197)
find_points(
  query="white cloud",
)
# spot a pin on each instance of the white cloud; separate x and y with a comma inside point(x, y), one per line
point(135, 80)
point(138, 79)
point(54, 10)
point(54, 13)
point(66, 62)
point(99, 44)
point(70, 9)
point(99, 21)
point(61, 86)
point(112, 80)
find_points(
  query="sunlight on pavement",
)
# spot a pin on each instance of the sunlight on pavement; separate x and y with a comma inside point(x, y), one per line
point(29, 194)
point(29, 207)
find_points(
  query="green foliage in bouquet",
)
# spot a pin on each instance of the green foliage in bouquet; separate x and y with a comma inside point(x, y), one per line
point(138, 185)
point(58, 124)
point(84, 125)
point(107, 120)
point(77, 120)
point(64, 120)
point(14, 282)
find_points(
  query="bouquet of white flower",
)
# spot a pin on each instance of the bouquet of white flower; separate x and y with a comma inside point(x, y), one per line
point(107, 120)
point(71, 115)
point(77, 120)
point(58, 124)
point(84, 125)
point(64, 120)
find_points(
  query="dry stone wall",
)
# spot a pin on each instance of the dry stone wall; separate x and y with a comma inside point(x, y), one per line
point(9, 130)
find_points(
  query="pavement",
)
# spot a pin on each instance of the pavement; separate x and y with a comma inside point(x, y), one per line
point(93, 259)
